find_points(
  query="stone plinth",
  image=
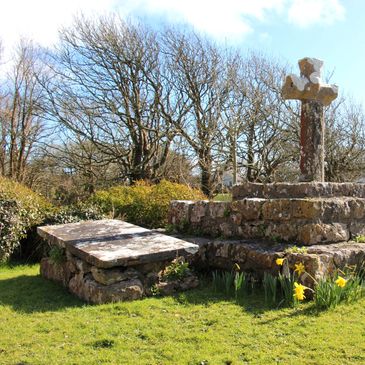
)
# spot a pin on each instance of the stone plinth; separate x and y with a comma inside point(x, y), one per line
point(306, 221)
point(297, 190)
point(110, 260)
point(257, 257)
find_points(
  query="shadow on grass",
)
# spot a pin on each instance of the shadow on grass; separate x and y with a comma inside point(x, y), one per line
point(31, 294)
point(252, 302)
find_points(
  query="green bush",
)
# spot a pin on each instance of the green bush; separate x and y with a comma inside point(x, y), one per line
point(33, 248)
point(74, 213)
point(20, 210)
point(144, 204)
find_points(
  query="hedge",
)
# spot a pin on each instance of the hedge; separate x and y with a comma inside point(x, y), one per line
point(144, 204)
point(20, 210)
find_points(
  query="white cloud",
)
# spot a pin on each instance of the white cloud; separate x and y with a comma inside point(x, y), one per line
point(308, 12)
point(228, 18)
point(232, 19)
point(41, 19)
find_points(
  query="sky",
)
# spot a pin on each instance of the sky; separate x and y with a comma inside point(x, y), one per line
point(331, 30)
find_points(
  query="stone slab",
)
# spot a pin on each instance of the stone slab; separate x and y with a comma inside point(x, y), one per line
point(108, 243)
point(297, 190)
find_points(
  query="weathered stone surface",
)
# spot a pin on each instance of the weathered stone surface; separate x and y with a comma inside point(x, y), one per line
point(59, 272)
point(259, 256)
point(313, 233)
point(277, 210)
point(248, 209)
point(219, 209)
point(309, 85)
point(179, 212)
point(172, 286)
point(312, 141)
point(303, 220)
point(112, 276)
point(357, 229)
point(250, 255)
point(199, 210)
point(77, 264)
point(86, 288)
point(109, 243)
point(297, 190)
point(314, 95)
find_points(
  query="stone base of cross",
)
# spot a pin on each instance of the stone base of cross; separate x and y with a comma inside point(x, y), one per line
point(314, 95)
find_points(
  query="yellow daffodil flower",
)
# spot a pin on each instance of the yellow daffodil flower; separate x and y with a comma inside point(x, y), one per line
point(279, 262)
point(299, 291)
point(341, 282)
point(299, 268)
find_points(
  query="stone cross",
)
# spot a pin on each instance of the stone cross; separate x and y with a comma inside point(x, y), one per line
point(314, 95)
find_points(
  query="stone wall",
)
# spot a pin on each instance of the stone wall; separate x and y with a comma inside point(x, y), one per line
point(297, 190)
point(99, 285)
point(258, 257)
point(305, 221)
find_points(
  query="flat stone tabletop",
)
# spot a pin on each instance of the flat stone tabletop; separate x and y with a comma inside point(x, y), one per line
point(107, 243)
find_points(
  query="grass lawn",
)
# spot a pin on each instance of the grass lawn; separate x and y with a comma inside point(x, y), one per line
point(40, 323)
point(223, 198)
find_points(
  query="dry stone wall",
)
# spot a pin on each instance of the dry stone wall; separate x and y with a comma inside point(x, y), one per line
point(305, 221)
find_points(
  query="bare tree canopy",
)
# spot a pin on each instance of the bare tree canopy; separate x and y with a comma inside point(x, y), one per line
point(21, 114)
point(109, 87)
point(127, 102)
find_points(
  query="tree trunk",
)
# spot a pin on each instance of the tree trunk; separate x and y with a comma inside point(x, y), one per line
point(250, 153)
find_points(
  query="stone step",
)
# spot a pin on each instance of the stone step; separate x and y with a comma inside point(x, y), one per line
point(297, 190)
point(108, 243)
point(307, 221)
point(259, 256)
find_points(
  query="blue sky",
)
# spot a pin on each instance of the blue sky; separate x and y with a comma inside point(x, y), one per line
point(332, 30)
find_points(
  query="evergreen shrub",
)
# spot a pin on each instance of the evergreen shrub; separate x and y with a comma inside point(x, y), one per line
point(21, 209)
point(144, 204)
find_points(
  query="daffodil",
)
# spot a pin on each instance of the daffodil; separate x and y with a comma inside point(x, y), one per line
point(279, 262)
point(299, 291)
point(341, 282)
point(299, 268)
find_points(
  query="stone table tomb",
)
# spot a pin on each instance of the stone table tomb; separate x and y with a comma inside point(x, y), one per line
point(111, 260)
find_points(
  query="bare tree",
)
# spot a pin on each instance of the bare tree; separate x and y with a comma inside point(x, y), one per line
point(109, 89)
point(198, 74)
point(265, 142)
point(345, 141)
point(20, 112)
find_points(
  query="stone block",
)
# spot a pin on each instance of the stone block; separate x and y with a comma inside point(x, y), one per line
point(310, 209)
point(219, 209)
point(357, 229)
point(276, 210)
point(248, 209)
point(179, 212)
point(227, 229)
point(312, 233)
point(199, 210)
point(86, 288)
point(297, 190)
point(281, 231)
point(59, 272)
point(112, 276)
point(356, 208)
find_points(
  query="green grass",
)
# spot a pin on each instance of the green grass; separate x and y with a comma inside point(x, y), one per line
point(42, 324)
point(223, 198)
